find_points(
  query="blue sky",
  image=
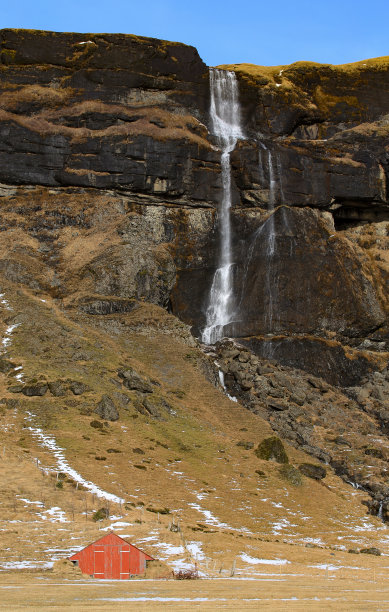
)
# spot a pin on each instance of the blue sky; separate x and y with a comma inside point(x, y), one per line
point(267, 32)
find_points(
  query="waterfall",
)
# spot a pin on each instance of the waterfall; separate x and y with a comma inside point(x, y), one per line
point(271, 282)
point(225, 126)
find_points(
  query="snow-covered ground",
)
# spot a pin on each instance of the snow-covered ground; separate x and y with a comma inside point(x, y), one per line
point(254, 561)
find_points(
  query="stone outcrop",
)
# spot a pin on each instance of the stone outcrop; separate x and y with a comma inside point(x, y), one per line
point(335, 426)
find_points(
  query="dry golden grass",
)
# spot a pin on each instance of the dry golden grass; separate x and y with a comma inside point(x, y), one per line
point(281, 592)
point(193, 464)
point(154, 122)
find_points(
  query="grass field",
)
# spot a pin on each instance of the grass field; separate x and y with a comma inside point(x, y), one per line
point(291, 591)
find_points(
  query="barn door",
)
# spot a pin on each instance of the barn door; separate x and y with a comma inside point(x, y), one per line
point(98, 563)
point(125, 563)
point(112, 562)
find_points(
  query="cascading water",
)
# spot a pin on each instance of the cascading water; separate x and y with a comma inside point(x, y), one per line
point(225, 125)
point(270, 245)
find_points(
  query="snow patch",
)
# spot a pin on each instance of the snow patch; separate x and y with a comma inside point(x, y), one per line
point(254, 561)
point(47, 441)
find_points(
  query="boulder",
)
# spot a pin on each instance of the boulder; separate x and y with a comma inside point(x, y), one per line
point(6, 365)
point(106, 409)
point(134, 381)
point(35, 388)
point(371, 551)
point(291, 475)
point(57, 388)
point(272, 449)
point(77, 388)
point(317, 472)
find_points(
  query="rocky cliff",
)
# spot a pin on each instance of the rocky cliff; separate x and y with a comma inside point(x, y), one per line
point(110, 183)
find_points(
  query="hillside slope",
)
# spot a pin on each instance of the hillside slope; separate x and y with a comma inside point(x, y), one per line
point(110, 182)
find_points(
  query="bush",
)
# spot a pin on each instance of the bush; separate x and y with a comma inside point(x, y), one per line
point(101, 514)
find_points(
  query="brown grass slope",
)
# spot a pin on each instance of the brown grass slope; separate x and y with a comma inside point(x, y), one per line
point(179, 464)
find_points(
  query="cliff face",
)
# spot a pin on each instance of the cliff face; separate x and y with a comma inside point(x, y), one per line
point(110, 184)
point(114, 126)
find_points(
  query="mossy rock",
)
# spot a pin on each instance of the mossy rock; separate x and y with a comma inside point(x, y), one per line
point(272, 449)
point(5, 365)
point(317, 472)
point(260, 474)
point(35, 389)
point(96, 424)
point(106, 409)
point(374, 452)
point(371, 551)
point(291, 475)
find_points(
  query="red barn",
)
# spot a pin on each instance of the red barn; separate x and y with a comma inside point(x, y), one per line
point(111, 557)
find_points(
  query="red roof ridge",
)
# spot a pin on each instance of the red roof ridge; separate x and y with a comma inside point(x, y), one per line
point(116, 536)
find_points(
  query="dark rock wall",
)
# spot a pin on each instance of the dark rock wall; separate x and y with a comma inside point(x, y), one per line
point(110, 177)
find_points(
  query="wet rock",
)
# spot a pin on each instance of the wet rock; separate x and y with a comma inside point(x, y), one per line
point(106, 409)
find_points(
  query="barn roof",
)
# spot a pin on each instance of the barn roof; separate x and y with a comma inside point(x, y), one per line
point(109, 536)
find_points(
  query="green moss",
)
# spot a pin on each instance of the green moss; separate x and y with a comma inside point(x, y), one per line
point(7, 56)
point(272, 449)
point(291, 475)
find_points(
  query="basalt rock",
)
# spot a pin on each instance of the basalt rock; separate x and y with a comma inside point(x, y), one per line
point(106, 409)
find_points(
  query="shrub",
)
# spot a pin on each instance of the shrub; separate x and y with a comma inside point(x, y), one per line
point(101, 514)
